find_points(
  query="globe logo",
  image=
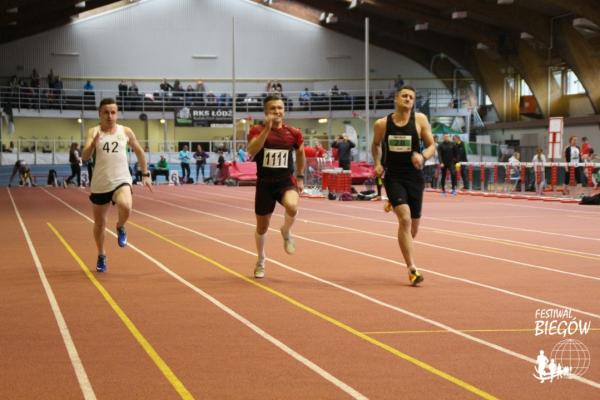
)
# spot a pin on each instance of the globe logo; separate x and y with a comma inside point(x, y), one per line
point(569, 358)
point(573, 354)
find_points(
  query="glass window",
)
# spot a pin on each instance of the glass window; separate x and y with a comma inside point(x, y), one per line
point(488, 101)
point(557, 75)
point(525, 90)
point(574, 86)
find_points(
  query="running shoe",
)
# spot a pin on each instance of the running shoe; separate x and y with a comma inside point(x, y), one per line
point(259, 270)
point(288, 243)
point(415, 277)
point(101, 264)
point(121, 236)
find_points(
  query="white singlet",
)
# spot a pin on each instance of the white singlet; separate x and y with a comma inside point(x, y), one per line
point(111, 167)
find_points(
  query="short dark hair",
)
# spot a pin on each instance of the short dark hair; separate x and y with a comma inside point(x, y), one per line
point(271, 97)
point(407, 87)
point(106, 101)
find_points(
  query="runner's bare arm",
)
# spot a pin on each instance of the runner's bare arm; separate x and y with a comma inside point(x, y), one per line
point(90, 144)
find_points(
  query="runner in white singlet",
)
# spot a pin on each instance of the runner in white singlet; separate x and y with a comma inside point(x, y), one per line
point(111, 180)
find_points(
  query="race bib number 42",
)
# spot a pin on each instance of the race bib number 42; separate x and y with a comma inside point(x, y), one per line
point(400, 143)
point(275, 158)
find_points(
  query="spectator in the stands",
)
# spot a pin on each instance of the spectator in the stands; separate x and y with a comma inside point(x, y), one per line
point(177, 86)
point(201, 90)
point(211, 98)
point(304, 98)
point(35, 79)
point(398, 82)
point(133, 89)
point(122, 89)
point(165, 86)
point(50, 79)
point(14, 84)
point(88, 88)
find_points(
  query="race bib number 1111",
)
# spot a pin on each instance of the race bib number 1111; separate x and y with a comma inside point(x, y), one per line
point(275, 158)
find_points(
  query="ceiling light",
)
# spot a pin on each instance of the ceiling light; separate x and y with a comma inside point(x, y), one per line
point(482, 46)
point(79, 120)
point(204, 56)
point(162, 121)
point(354, 3)
point(323, 16)
point(322, 120)
point(422, 27)
point(526, 36)
point(331, 18)
point(81, 4)
point(459, 15)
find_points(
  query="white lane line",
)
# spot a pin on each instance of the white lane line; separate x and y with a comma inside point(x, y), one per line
point(282, 346)
point(426, 218)
point(359, 294)
point(82, 378)
point(363, 231)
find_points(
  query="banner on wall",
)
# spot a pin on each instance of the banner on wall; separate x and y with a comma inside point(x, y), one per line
point(214, 117)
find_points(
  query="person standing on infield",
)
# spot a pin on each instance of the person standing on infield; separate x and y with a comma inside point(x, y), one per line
point(271, 146)
point(107, 143)
point(395, 150)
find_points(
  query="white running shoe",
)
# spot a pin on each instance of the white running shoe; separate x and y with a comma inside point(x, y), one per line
point(288, 243)
point(259, 270)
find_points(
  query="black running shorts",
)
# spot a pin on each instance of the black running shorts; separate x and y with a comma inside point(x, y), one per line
point(270, 191)
point(103, 198)
point(406, 188)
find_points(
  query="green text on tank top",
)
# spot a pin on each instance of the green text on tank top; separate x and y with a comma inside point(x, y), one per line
point(400, 142)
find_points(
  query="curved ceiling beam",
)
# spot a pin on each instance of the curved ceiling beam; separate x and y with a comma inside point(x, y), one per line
point(442, 69)
point(506, 17)
point(428, 40)
point(411, 12)
point(493, 73)
point(589, 9)
point(582, 58)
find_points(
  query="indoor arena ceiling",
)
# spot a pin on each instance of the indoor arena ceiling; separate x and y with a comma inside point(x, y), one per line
point(21, 18)
point(488, 40)
point(485, 39)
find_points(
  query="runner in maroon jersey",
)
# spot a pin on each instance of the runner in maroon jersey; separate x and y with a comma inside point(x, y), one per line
point(272, 146)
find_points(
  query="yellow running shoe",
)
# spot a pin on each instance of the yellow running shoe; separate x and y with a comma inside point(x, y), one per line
point(415, 277)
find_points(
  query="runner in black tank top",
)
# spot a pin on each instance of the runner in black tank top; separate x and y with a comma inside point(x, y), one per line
point(395, 151)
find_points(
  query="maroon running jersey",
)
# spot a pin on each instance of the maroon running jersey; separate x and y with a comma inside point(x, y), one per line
point(275, 159)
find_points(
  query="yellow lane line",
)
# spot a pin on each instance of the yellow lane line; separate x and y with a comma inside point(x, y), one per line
point(331, 320)
point(160, 363)
point(507, 242)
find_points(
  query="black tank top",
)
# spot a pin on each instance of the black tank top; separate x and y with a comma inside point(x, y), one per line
point(398, 145)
